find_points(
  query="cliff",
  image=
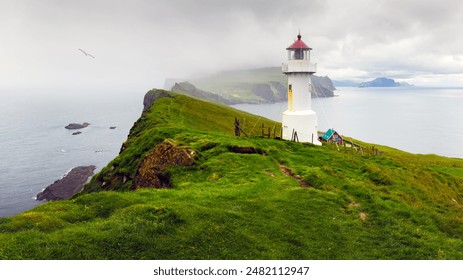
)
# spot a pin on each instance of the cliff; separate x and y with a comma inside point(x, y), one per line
point(323, 87)
point(265, 85)
point(226, 197)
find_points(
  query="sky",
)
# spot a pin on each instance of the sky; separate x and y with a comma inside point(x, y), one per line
point(140, 43)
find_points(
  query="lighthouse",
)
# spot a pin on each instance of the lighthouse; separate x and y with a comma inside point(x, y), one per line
point(299, 121)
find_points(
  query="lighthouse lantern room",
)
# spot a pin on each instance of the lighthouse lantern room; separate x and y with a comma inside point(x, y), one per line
point(299, 121)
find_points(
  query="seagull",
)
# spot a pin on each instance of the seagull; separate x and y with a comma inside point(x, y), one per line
point(87, 54)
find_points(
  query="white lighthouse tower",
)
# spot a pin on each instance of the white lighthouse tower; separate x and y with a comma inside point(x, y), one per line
point(299, 121)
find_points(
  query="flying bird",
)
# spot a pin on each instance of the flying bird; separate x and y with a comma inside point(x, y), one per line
point(87, 54)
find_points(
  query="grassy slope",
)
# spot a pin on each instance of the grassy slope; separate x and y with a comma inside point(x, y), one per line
point(243, 206)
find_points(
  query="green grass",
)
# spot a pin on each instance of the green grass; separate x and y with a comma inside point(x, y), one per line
point(288, 201)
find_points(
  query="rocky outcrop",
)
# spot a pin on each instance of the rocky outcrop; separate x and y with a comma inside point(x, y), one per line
point(76, 125)
point(154, 95)
point(70, 184)
point(152, 172)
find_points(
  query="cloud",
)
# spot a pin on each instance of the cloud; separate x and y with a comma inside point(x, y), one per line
point(395, 36)
point(140, 43)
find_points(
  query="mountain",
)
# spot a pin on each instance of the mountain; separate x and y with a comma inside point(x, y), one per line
point(380, 82)
point(264, 85)
point(323, 86)
point(185, 187)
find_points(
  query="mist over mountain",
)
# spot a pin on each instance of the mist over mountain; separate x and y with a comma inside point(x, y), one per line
point(264, 85)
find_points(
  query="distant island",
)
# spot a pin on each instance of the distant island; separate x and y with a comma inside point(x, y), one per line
point(383, 82)
point(378, 82)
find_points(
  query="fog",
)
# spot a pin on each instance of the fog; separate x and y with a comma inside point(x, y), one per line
point(137, 44)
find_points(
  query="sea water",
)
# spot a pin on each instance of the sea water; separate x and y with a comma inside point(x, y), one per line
point(414, 119)
point(36, 149)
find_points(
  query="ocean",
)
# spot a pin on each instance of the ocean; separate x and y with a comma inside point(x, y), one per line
point(413, 119)
point(36, 149)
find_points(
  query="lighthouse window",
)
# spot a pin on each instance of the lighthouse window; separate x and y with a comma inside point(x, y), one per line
point(290, 87)
point(298, 54)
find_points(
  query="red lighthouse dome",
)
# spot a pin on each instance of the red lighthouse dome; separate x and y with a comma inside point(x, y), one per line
point(299, 44)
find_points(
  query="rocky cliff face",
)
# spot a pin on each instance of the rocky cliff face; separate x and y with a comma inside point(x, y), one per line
point(151, 173)
point(323, 87)
point(271, 92)
point(152, 96)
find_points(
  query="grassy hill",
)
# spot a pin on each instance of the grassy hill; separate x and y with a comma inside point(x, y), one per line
point(285, 200)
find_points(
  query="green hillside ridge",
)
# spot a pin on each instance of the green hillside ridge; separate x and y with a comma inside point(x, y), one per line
point(285, 200)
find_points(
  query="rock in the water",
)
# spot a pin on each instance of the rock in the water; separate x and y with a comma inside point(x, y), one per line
point(77, 132)
point(151, 172)
point(112, 127)
point(70, 184)
point(76, 125)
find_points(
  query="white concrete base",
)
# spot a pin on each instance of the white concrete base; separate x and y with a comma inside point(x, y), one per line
point(304, 123)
